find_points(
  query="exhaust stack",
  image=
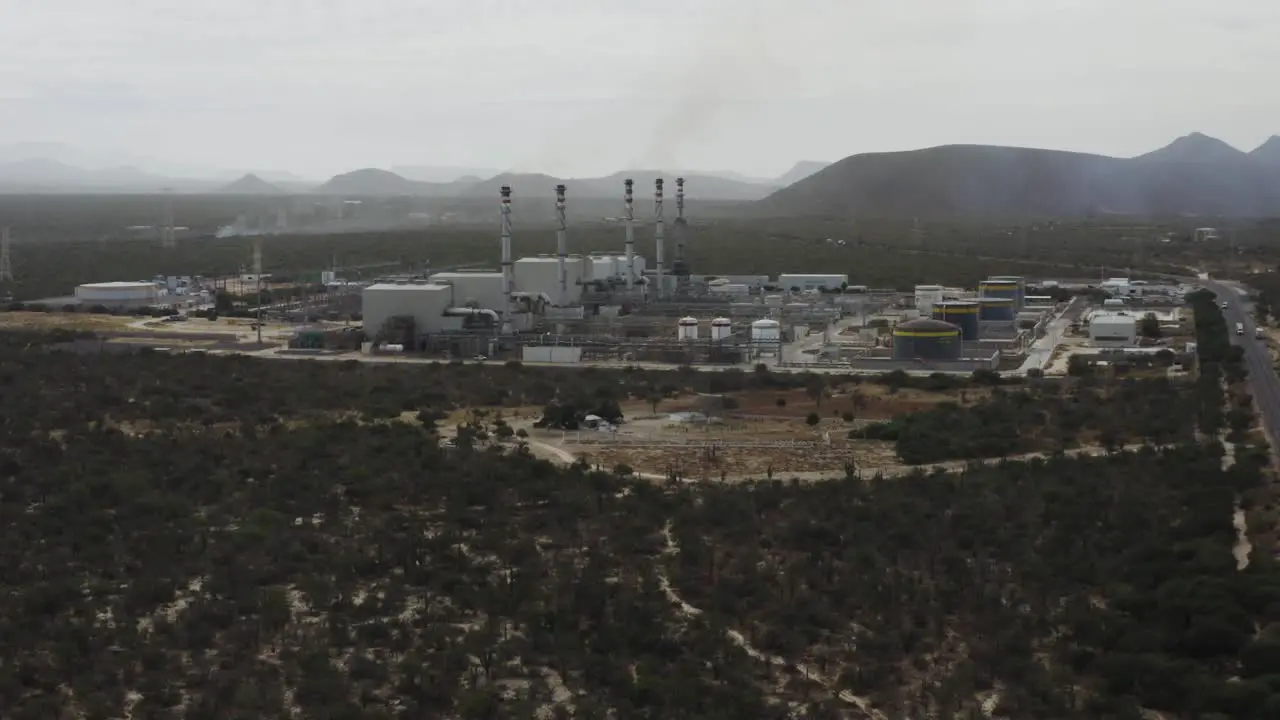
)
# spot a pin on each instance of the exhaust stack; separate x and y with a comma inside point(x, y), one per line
point(562, 247)
point(507, 281)
point(630, 220)
point(682, 263)
point(659, 236)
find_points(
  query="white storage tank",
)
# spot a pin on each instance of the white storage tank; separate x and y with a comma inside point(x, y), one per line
point(114, 294)
point(721, 329)
point(687, 329)
point(766, 331)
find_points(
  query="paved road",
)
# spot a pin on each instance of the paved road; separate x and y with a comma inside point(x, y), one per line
point(1262, 376)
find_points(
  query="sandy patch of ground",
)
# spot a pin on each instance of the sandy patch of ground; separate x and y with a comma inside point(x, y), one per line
point(65, 321)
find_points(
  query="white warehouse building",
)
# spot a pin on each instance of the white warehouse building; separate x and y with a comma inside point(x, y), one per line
point(426, 304)
point(118, 294)
point(812, 282)
point(605, 266)
point(1113, 329)
point(542, 275)
point(473, 289)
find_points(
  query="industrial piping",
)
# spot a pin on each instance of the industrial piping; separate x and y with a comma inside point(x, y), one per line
point(562, 247)
point(659, 238)
point(507, 277)
point(630, 220)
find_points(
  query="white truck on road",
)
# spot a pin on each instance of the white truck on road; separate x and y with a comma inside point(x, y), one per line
point(1258, 334)
point(1239, 328)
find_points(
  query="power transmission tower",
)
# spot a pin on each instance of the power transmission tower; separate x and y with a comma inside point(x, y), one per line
point(6, 262)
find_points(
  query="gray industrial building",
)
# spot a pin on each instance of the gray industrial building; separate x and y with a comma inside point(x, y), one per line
point(426, 304)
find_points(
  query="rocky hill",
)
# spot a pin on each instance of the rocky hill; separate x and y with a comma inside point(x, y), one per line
point(1194, 175)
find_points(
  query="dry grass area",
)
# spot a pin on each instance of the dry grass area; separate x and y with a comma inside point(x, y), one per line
point(63, 321)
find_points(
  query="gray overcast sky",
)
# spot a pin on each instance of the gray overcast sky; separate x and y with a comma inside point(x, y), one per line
point(579, 87)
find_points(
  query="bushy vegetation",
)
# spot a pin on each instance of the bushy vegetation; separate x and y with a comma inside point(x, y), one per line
point(1045, 415)
point(213, 537)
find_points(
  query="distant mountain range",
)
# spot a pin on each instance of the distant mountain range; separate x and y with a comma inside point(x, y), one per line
point(375, 182)
point(58, 174)
point(1195, 175)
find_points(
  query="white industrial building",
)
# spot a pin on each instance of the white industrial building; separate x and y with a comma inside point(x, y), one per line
point(119, 294)
point(812, 282)
point(426, 304)
point(606, 266)
point(541, 275)
point(474, 289)
point(1113, 329)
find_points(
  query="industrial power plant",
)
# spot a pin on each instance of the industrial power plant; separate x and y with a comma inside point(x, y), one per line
point(611, 306)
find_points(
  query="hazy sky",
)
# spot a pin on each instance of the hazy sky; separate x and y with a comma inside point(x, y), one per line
point(581, 87)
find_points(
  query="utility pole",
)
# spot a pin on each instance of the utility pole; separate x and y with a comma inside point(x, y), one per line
point(257, 274)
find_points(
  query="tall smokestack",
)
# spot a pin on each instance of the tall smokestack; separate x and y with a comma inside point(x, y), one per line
point(507, 281)
point(659, 233)
point(682, 263)
point(627, 201)
point(562, 247)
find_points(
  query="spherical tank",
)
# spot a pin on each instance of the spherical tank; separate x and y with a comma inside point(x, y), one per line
point(993, 309)
point(721, 329)
point(687, 329)
point(961, 313)
point(926, 339)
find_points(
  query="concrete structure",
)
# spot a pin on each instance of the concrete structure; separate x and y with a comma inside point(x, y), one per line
point(687, 328)
point(542, 275)
point(426, 304)
point(998, 309)
point(926, 339)
point(812, 282)
point(477, 289)
point(1113, 329)
point(118, 294)
point(721, 329)
point(1123, 288)
point(961, 313)
point(927, 296)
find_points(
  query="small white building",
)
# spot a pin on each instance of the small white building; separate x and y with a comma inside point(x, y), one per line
point(806, 281)
point(1113, 329)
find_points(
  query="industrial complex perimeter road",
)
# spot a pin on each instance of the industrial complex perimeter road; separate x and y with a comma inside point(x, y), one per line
point(1262, 376)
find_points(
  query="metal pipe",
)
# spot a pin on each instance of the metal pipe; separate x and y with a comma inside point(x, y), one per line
point(562, 247)
point(631, 231)
point(659, 238)
point(472, 312)
point(507, 281)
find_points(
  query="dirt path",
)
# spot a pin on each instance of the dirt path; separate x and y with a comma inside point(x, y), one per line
point(737, 638)
point(1239, 520)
